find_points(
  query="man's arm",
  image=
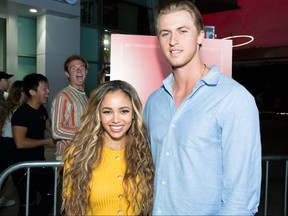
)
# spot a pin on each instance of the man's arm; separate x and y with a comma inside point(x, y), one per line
point(48, 126)
point(62, 115)
point(21, 141)
point(241, 153)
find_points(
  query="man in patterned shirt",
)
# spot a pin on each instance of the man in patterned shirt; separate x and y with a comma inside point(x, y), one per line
point(69, 104)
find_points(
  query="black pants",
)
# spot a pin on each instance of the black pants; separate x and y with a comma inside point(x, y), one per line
point(7, 154)
point(42, 183)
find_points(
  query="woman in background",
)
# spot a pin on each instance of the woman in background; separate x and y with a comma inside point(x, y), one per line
point(108, 168)
point(15, 98)
point(7, 146)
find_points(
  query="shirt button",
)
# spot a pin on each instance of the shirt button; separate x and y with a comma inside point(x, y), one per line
point(119, 177)
point(159, 211)
point(167, 153)
point(163, 182)
point(120, 196)
point(117, 157)
point(172, 125)
point(119, 212)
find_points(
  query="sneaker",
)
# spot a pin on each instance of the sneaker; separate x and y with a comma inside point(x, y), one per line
point(6, 202)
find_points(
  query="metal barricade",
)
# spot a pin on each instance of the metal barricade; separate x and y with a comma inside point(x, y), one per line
point(33, 164)
point(267, 160)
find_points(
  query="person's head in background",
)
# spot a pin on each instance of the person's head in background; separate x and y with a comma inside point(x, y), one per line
point(76, 69)
point(4, 81)
point(104, 74)
point(36, 88)
point(15, 98)
point(16, 94)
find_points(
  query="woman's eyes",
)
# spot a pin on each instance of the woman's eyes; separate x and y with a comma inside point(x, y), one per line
point(106, 112)
point(125, 111)
point(121, 111)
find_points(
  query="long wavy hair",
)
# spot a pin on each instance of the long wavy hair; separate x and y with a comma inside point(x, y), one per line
point(12, 102)
point(86, 154)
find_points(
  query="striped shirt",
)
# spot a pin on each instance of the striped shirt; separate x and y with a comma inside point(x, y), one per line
point(67, 108)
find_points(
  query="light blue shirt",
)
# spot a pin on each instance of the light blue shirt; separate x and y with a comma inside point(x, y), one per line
point(207, 153)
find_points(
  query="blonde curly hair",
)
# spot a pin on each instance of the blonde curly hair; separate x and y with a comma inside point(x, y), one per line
point(86, 155)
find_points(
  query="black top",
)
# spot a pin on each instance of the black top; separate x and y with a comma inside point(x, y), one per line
point(35, 121)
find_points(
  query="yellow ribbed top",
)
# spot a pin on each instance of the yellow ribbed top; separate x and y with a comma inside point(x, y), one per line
point(107, 193)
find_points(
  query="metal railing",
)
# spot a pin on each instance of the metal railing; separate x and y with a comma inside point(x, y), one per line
point(33, 164)
point(268, 160)
point(56, 164)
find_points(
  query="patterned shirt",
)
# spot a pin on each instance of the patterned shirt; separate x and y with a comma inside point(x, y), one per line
point(67, 108)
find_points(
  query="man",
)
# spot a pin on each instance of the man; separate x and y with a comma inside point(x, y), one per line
point(29, 123)
point(4, 86)
point(69, 104)
point(203, 128)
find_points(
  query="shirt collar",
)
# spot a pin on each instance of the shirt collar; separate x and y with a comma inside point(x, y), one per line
point(210, 79)
point(74, 89)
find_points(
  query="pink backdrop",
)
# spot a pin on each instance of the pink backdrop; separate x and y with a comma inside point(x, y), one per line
point(266, 20)
point(138, 60)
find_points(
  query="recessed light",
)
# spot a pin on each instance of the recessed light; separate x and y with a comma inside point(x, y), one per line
point(32, 10)
point(106, 42)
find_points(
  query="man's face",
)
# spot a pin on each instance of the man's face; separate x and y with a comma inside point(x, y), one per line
point(178, 37)
point(76, 74)
point(4, 84)
point(42, 94)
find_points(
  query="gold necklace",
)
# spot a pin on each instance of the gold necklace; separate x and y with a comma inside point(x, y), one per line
point(202, 73)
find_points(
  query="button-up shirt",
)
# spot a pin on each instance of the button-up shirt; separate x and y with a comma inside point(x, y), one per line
point(207, 152)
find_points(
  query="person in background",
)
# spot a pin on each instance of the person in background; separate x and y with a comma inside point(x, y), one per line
point(7, 146)
point(104, 74)
point(29, 123)
point(203, 127)
point(108, 168)
point(69, 104)
point(67, 108)
point(4, 86)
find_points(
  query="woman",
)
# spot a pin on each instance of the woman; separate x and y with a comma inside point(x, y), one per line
point(108, 168)
point(7, 146)
point(15, 98)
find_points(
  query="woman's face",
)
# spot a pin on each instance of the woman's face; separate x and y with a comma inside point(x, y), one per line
point(116, 115)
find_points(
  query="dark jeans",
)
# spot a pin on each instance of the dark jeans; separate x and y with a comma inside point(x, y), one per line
point(7, 154)
point(42, 182)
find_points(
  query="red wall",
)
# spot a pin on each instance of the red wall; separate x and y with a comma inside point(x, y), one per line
point(266, 20)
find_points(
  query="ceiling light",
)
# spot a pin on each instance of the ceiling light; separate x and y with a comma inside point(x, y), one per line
point(33, 10)
point(250, 39)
